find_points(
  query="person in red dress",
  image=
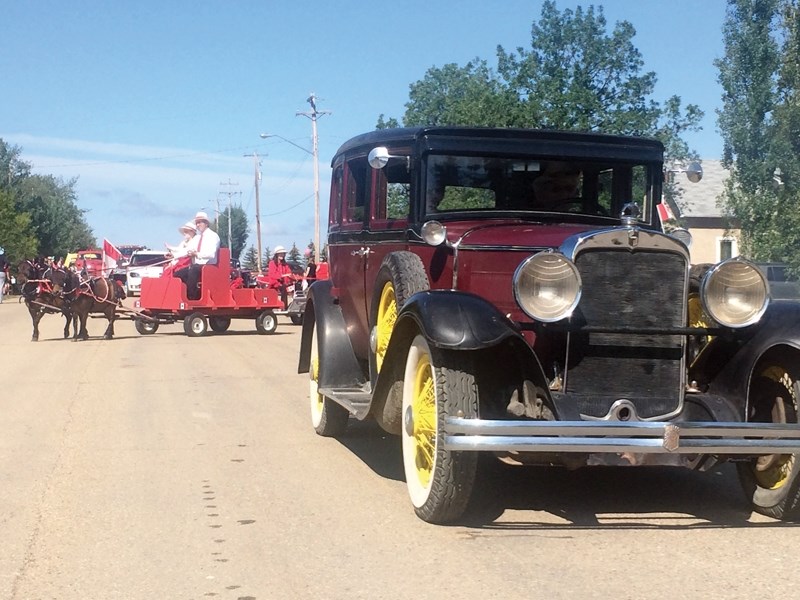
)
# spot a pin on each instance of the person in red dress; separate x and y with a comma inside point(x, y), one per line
point(279, 274)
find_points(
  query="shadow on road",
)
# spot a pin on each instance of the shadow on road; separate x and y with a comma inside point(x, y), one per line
point(376, 448)
point(590, 498)
point(616, 498)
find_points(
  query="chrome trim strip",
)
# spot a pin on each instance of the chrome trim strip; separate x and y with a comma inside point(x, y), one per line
point(645, 437)
point(620, 238)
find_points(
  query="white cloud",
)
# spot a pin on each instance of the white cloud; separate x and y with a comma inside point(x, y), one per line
point(140, 194)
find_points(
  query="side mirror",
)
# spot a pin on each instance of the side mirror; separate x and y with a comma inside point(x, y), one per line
point(694, 172)
point(378, 157)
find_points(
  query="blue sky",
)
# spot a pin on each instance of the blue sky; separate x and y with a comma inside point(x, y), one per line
point(152, 105)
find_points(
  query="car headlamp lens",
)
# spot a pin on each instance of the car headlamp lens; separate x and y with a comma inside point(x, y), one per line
point(735, 293)
point(547, 286)
point(434, 233)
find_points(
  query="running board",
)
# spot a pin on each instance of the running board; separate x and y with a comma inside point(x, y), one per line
point(357, 400)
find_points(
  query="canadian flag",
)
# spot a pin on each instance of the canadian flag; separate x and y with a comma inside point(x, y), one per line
point(664, 212)
point(111, 256)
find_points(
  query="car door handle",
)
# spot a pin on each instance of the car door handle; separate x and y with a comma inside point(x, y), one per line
point(362, 252)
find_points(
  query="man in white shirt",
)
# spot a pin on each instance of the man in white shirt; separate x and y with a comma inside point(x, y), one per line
point(204, 250)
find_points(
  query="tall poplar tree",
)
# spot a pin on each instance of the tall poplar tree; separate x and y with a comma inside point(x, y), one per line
point(760, 125)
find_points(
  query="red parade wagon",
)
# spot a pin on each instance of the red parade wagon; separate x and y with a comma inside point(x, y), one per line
point(163, 300)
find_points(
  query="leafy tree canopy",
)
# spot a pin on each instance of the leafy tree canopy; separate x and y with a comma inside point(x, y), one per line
point(43, 216)
point(574, 76)
point(238, 229)
point(760, 125)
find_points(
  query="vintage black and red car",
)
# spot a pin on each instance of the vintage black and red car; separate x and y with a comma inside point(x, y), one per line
point(511, 292)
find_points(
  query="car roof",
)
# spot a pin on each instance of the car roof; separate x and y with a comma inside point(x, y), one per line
point(454, 138)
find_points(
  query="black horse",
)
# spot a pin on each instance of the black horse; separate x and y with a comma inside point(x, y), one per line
point(95, 295)
point(37, 290)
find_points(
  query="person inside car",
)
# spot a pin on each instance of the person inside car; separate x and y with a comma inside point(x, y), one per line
point(556, 185)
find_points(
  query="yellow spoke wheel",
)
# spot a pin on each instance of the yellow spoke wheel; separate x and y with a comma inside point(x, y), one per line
point(771, 480)
point(773, 471)
point(435, 385)
point(386, 318)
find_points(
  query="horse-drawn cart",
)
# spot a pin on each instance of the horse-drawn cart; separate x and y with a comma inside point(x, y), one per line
point(163, 300)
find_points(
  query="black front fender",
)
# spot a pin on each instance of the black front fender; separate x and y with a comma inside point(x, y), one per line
point(449, 321)
point(338, 365)
point(728, 363)
point(457, 320)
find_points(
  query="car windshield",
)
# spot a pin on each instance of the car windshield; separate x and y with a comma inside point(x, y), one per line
point(535, 184)
point(146, 260)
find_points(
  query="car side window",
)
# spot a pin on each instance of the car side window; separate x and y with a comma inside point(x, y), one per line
point(337, 189)
point(355, 190)
point(391, 193)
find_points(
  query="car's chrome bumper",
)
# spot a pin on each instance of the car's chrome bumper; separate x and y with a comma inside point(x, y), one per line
point(642, 437)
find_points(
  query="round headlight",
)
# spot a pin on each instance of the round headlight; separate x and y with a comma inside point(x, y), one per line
point(735, 293)
point(434, 233)
point(547, 286)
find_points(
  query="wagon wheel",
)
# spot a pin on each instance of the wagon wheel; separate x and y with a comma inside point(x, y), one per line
point(401, 275)
point(195, 325)
point(328, 418)
point(145, 327)
point(771, 481)
point(266, 322)
point(219, 324)
point(437, 385)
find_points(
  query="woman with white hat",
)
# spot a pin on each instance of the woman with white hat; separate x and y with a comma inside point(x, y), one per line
point(279, 274)
point(180, 253)
point(188, 230)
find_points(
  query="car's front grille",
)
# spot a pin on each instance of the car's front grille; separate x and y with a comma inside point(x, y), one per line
point(640, 289)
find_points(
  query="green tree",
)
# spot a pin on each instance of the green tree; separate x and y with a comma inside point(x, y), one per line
point(50, 204)
point(760, 125)
point(239, 229)
point(293, 257)
point(574, 76)
point(13, 169)
point(265, 258)
point(57, 222)
point(469, 95)
point(16, 234)
point(250, 260)
point(785, 137)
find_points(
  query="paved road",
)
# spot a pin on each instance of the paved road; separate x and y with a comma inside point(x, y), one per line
point(167, 467)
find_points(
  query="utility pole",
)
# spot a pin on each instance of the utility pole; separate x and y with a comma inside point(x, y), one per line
point(314, 114)
point(230, 194)
point(258, 210)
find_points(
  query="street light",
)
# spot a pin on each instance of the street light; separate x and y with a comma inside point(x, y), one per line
point(264, 136)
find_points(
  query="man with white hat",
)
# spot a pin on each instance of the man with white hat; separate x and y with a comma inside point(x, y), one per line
point(203, 250)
